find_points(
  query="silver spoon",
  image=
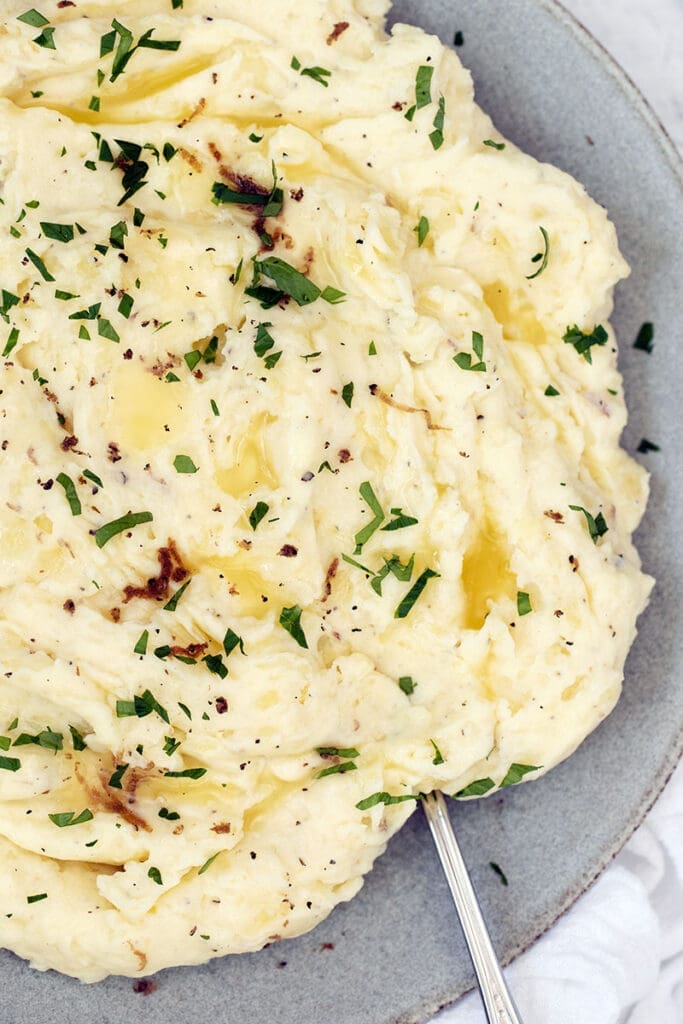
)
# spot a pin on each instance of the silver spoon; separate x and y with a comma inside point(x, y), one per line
point(498, 1003)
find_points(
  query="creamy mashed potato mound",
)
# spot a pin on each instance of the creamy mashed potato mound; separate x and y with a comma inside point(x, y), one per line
point(312, 493)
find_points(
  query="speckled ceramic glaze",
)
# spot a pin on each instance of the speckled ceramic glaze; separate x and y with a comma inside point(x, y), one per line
point(395, 955)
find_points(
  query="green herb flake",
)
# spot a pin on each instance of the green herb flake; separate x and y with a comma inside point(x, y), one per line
point(423, 86)
point(646, 446)
point(141, 645)
point(288, 280)
point(214, 408)
point(192, 358)
point(77, 740)
point(230, 641)
point(106, 330)
point(410, 113)
point(10, 764)
point(37, 898)
point(125, 307)
point(117, 235)
point(172, 604)
point(39, 265)
point(253, 137)
point(318, 74)
point(438, 756)
point(421, 229)
point(597, 527)
point(169, 151)
point(477, 788)
point(83, 333)
point(523, 603)
point(347, 394)
point(494, 145)
point(70, 492)
point(407, 684)
point(186, 773)
point(11, 342)
point(644, 341)
point(91, 313)
point(207, 863)
point(216, 665)
point(155, 875)
point(498, 871)
point(258, 513)
point(541, 257)
point(67, 818)
point(94, 103)
point(46, 39)
point(127, 522)
point(337, 751)
point(169, 815)
point(185, 710)
point(372, 349)
point(516, 773)
point(58, 232)
point(33, 18)
point(436, 137)
point(170, 745)
point(47, 739)
point(65, 296)
point(117, 776)
point(401, 522)
point(370, 498)
point(290, 620)
point(141, 706)
point(337, 769)
point(383, 798)
point(332, 295)
point(184, 464)
point(407, 603)
point(551, 392)
point(464, 359)
point(583, 341)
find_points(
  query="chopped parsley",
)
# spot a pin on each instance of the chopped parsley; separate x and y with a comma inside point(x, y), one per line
point(46, 38)
point(125, 307)
point(370, 498)
point(541, 257)
point(494, 145)
point(523, 603)
point(39, 265)
point(383, 798)
point(58, 232)
point(337, 751)
point(318, 74)
point(258, 513)
point(10, 764)
point(423, 86)
point(66, 818)
point(184, 464)
point(584, 341)
point(155, 875)
point(401, 522)
point(105, 533)
point(347, 394)
point(436, 137)
point(421, 229)
point(47, 739)
point(230, 641)
point(287, 280)
point(207, 863)
point(646, 446)
point(77, 740)
point(644, 341)
point(141, 645)
point(263, 344)
point(516, 773)
point(464, 359)
point(438, 756)
point(142, 705)
point(216, 665)
point(477, 788)
point(406, 604)
point(37, 897)
point(337, 769)
point(407, 684)
point(117, 235)
point(172, 604)
point(117, 776)
point(551, 392)
point(169, 815)
point(290, 620)
point(125, 48)
point(597, 527)
point(106, 330)
point(70, 492)
point(170, 745)
point(33, 18)
point(186, 773)
point(12, 339)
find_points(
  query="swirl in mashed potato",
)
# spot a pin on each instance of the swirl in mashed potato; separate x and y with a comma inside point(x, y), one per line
point(313, 497)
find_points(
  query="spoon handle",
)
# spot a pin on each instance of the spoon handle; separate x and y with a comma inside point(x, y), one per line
point(500, 1009)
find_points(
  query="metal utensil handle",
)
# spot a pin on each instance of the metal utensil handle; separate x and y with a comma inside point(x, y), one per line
point(498, 1003)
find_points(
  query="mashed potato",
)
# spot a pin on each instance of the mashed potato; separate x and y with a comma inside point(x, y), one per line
point(312, 492)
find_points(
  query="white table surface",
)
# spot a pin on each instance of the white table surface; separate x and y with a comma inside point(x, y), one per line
point(617, 955)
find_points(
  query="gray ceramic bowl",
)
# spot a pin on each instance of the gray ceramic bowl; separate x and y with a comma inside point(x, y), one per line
point(394, 955)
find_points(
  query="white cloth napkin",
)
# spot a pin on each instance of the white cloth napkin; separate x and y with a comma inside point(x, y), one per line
point(617, 956)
